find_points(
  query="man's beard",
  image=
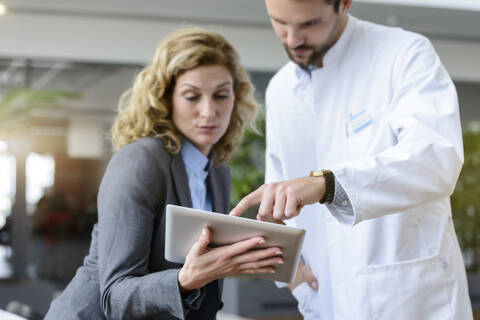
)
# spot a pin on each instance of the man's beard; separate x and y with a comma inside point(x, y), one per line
point(315, 56)
point(317, 52)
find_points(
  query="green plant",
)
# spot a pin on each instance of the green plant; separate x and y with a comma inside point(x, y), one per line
point(466, 202)
point(20, 101)
point(248, 163)
point(16, 105)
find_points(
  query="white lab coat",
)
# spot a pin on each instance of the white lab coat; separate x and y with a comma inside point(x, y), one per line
point(383, 115)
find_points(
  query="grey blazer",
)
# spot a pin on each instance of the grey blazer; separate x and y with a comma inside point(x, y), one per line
point(125, 275)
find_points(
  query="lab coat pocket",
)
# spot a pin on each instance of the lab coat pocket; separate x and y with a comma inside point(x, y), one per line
point(413, 290)
point(304, 295)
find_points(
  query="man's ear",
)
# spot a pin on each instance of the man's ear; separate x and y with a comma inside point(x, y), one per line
point(344, 6)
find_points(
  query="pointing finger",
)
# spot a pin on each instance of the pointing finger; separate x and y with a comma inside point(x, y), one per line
point(248, 201)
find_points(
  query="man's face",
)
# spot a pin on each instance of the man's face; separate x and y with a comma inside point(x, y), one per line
point(307, 28)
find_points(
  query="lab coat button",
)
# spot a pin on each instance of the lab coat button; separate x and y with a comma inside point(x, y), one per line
point(444, 263)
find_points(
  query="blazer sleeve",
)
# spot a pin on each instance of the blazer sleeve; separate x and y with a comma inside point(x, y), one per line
point(129, 195)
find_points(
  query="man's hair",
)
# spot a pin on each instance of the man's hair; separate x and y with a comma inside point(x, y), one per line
point(146, 108)
point(335, 3)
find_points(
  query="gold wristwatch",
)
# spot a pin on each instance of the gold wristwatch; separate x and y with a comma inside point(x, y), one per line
point(329, 184)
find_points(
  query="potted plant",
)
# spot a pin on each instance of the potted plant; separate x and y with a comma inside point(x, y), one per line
point(466, 202)
point(248, 163)
point(466, 208)
point(19, 103)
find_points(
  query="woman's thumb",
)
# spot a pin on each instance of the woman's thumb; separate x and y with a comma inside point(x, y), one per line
point(203, 240)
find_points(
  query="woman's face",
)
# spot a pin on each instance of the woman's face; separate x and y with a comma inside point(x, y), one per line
point(203, 100)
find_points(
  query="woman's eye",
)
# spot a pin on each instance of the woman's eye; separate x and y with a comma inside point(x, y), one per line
point(191, 98)
point(222, 94)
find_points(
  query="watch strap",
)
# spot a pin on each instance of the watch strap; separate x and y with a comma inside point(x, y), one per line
point(329, 184)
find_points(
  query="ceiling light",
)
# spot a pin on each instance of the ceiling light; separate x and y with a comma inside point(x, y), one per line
point(3, 9)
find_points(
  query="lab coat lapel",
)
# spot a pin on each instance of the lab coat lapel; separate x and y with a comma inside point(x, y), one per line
point(180, 180)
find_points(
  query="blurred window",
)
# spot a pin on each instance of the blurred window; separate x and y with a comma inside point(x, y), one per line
point(7, 183)
point(40, 170)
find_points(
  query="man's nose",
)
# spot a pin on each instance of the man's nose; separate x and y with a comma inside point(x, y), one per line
point(294, 37)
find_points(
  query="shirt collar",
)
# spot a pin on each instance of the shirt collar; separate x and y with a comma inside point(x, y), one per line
point(334, 53)
point(194, 159)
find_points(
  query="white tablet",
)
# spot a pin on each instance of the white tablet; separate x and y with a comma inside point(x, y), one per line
point(184, 225)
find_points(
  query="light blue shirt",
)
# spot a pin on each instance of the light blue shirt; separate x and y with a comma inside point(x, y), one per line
point(197, 166)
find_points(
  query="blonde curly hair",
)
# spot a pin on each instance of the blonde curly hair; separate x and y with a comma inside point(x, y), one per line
point(146, 108)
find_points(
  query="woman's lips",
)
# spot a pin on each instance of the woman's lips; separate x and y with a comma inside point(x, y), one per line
point(207, 128)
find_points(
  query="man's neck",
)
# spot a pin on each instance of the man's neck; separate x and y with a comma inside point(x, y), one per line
point(341, 28)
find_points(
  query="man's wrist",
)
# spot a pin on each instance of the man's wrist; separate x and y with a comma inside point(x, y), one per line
point(329, 179)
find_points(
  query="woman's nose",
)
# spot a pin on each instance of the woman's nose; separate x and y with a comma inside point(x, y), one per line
point(207, 108)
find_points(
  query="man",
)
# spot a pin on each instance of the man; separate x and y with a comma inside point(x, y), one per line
point(372, 111)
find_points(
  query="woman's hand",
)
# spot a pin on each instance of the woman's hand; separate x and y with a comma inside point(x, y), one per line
point(204, 264)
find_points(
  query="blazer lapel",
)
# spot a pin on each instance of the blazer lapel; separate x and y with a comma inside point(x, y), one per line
point(180, 180)
point(216, 190)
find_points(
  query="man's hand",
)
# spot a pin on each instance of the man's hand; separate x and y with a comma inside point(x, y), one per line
point(282, 200)
point(304, 274)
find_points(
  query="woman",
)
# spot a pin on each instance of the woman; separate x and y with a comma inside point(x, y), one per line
point(179, 126)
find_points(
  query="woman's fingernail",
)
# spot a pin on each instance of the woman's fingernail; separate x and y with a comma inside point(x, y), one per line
point(280, 262)
point(315, 285)
point(271, 271)
point(279, 252)
point(261, 241)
